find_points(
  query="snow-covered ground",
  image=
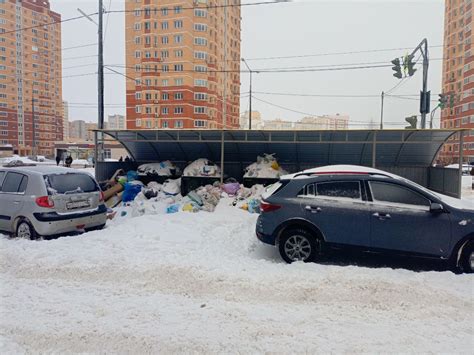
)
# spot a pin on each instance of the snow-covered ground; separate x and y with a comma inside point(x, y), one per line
point(203, 283)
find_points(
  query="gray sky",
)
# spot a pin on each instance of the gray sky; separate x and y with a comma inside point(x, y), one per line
point(298, 28)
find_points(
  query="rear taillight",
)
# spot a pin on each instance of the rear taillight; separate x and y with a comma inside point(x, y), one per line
point(44, 201)
point(268, 207)
point(101, 196)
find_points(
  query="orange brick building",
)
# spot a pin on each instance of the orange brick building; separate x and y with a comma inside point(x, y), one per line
point(175, 59)
point(30, 77)
point(458, 77)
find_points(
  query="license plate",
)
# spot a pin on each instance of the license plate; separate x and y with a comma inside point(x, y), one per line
point(77, 204)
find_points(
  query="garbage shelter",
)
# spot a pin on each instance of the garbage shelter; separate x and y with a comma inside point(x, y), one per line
point(408, 153)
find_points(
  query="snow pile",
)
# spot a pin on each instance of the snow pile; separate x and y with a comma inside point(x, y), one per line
point(25, 160)
point(165, 168)
point(202, 167)
point(265, 167)
point(202, 283)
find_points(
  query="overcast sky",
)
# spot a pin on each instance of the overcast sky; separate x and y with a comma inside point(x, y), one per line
point(300, 28)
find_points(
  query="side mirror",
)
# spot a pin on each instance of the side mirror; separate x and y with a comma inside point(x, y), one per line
point(436, 208)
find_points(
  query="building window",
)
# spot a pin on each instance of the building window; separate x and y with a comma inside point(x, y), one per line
point(138, 122)
point(178, 124)
point(200, 55)
point(200, 41)
point(178, 67)
point(178, 96)
point(164, 124)
point(164, 110)
point(200, 123)
point(165, 68)
point(164, 82)
point(164, 11)
point(178, 110)
point(178, 81)
point(164, 25)
point(200, 110)
point(178, 23)
point(200, 27)
point(177, 9)
point(200, 68)
point(178, 53)
point(164, 54)
point(138, 95)
point(200, 82)
point(138, 26)
point(165, 96)
point(164, 40)
point(200, 96)
point(200, 13)
point(178, 38)
point(138, 109)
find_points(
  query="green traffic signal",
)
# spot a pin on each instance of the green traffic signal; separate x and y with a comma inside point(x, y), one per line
point(443, 99)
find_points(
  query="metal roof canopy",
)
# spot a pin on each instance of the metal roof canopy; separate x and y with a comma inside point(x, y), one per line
point(301, 149)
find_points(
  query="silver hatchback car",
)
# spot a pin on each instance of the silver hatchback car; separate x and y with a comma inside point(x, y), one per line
point(40, 201)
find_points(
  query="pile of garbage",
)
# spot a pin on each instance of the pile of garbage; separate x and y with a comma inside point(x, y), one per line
point(203, 168)
point(164, 168)
point(265, 167)
point(165, 198)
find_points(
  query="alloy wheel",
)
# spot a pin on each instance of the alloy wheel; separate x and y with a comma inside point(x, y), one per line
point(298, 248)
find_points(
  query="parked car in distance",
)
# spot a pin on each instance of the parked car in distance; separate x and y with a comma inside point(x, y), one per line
point(340, 206)
point(40, 201)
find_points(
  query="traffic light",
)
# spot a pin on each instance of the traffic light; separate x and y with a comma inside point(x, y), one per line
point(409, 65)
point(443, 100)
point(412, 120)
point(397, 68)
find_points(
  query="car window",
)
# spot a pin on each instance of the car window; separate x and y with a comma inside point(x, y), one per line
point(12, 182)
point(71, 182)
point(339, 189)
point(23, 184)
point(396, 194)
point(2, 175)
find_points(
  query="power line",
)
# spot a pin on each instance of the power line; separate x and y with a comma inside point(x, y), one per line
point(49, 23)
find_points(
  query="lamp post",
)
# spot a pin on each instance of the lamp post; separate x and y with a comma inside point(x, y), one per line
point(250, 92)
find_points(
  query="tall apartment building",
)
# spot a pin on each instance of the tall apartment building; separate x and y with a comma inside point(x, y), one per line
point(458, 77)
point(184, 57)
point(116, 122)
point(78, 130)
point(65, 121)
point(31, 108)
point(330, 122)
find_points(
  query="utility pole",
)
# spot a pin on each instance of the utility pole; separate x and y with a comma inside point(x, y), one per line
point(100, 125)
point(34, 152)
point(250, 92)
point(381, 113)
point(425, 94)
point(224, 110)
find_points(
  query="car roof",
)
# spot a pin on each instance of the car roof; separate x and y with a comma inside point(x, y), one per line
point(340, 170)
point(42, 169)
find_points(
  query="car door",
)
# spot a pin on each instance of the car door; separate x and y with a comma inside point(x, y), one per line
point(11, 197)
point(401, 220)
point(338, 210)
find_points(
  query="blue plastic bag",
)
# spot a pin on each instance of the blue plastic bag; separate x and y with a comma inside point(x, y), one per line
point(131, 191)
point(132, 175)
point(172, 209)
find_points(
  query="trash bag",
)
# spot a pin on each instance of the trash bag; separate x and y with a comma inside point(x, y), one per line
point(150, 193)
point(172, 209)
point(171, 187)
point(132, 175)
point(231, 188)
point(253, 206)
point(131, 191)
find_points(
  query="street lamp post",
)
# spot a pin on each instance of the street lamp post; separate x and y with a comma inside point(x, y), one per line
point(250, 92)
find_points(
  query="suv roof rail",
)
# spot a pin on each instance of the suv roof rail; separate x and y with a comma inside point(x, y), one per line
point(311, 173)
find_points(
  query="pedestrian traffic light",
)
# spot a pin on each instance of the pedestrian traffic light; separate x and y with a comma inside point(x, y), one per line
point(443, 100)
point(412, 120)
point(409, 65)
point(397, 68)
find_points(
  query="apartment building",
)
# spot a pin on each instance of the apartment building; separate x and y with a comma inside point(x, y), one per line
point(65, 121)
point(31, 107)
point(257, 122)
point(116, 122)
point(183, 64)
point(330, 122)
point(78, 130)
point(458, 78)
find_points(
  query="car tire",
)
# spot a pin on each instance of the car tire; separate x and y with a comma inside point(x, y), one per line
point(25, 230)
point(299, 245)
point(467, 258)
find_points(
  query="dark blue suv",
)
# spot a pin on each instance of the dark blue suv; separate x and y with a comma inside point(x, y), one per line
point(353, 206)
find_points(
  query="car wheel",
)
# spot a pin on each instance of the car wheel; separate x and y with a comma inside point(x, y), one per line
point(25, 230)
point(299, 245)
point(467, 258)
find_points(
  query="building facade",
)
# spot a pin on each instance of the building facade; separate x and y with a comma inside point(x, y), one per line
point(330, 122)
point(78, 130)
point(31, 108)
point(116, 122)
point(257, 122)
point(65, 121)
point(183, 59)
point(458, 78)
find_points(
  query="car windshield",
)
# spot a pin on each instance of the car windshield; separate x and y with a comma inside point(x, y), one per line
point(70, 183)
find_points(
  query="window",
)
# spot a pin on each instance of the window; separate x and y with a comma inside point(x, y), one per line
point(164, 25)
point(178, 81)
point(138, 95)
point(164, 82)
point(200, 55)
point(178, 96)
point(178, 53)
point(138, 109)
point(178, 23)
point(2, 174)
point(177, 124)
point(200, 110)
point(200, 27)
point(177, 9)
point(200, 13)
point(178, 38)
point(200, 41)
point(63, 183)
point(164, 40)
point(200, 96)
point(344, 189)
point(14, 183)
point(178, 110)
point(164, 11)
point(200, 82)
point(392, 193)
point(178, 67)
point(165, 96)
point(200, 123)
point(200, 68)
point(165, 110)
point(138, 122)
point(164, 124)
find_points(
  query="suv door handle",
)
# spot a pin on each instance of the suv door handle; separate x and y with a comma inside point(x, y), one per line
point(382, 216)
point(312, 209)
